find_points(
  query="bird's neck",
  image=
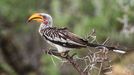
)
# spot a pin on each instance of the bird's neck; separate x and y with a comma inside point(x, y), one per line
point(42, 27)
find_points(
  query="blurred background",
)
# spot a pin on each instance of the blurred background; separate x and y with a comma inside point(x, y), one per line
point(21, 45)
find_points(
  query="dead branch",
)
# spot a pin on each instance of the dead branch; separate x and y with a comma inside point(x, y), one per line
point(69, 58)
point(91, 60)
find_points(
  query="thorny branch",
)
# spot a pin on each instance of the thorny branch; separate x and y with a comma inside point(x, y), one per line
point(94, 60)
point(69, 58)
point(91, 60)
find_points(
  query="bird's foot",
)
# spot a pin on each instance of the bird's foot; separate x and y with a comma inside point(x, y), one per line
point(64, 54)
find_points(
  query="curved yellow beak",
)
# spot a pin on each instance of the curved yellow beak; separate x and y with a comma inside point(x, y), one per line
point(37, 17)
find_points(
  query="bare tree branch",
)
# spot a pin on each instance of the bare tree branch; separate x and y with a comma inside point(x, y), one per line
point(69, 58)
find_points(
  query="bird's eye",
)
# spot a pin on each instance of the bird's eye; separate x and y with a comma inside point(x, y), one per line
point(46, 22)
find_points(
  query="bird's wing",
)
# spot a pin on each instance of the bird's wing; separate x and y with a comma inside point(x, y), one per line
point(64, 37)
point(72, 38)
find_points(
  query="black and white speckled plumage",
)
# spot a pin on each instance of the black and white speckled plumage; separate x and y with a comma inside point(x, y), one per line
point(62, 38)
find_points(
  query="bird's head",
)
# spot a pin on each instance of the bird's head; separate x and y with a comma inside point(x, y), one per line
point(43, 18)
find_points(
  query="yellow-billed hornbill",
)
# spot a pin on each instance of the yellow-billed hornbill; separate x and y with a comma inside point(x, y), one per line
point(62, 38)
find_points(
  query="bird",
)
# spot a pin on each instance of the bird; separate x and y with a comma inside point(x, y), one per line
point(62, 38)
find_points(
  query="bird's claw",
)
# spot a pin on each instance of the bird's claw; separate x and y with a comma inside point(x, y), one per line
point(64, 54)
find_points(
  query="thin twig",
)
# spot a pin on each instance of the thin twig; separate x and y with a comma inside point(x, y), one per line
point(107, 40)
point(101, 65)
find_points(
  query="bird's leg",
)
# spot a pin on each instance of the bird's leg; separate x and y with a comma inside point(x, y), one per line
point(64, 54)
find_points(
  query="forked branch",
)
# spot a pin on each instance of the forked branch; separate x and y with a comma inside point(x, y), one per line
point(69, 58)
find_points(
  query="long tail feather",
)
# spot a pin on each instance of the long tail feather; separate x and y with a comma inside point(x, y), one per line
point(118, 50)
